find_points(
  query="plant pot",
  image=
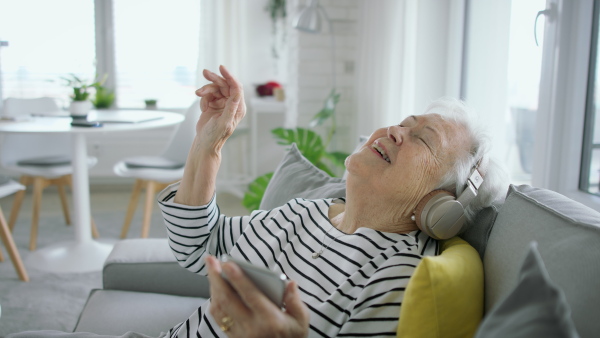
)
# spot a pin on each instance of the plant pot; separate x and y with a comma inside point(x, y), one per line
point(80, 109)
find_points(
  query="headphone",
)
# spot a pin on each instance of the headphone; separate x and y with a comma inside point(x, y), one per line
point(440, 215)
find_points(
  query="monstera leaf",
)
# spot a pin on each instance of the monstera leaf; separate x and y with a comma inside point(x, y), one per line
point(256, 191)
point(308, 142)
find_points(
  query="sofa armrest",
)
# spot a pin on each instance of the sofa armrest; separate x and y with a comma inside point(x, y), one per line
point(147, 265)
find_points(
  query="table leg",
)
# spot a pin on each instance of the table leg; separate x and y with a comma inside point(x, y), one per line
point(84, 254)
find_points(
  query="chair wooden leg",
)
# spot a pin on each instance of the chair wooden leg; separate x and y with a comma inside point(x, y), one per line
point(38, 187)
point(133, 201)
point(95, 232)
point(14, 213)
point(60, 185)
point(12, 249)
point(148, 205)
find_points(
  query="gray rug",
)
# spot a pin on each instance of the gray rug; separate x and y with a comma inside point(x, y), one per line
point(52, 301)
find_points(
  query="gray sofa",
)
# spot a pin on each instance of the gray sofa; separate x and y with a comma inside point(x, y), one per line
point(146, 291)
point(540, 253)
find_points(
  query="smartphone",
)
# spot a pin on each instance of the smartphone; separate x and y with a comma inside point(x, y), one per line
point(91, 124)
point(272, 284)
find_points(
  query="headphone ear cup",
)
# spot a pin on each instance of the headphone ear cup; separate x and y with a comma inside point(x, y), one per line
point(439, 215)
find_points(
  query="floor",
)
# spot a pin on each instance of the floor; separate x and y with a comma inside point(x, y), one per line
point(54, 301)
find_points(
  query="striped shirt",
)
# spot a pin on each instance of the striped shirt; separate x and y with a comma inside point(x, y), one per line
point(355, 288)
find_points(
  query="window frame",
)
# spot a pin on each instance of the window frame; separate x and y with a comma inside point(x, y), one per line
point(588, 128)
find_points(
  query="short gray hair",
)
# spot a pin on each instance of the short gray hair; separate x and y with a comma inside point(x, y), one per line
point(495, 181)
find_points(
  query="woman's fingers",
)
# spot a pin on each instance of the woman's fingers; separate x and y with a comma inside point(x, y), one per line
point(218, 80)
point(248, 292)
point(224, 299)
point(210, 88)
point(294, 305)
point(234, 85)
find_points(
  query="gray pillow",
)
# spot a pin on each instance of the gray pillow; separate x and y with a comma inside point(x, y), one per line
point(297, 177)
point(536, 307)
point(567, 234)
point(477, 232)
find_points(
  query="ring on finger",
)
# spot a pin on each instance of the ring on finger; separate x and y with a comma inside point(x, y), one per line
point(226, 323)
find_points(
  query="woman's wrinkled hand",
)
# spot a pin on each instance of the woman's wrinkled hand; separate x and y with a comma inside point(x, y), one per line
point(223, 107)
point(241, 310)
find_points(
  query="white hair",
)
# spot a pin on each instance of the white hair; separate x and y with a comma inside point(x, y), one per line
point(495, 180)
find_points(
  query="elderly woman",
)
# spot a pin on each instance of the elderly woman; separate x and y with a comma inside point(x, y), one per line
point(349, 260)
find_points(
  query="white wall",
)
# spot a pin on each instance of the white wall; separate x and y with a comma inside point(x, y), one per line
point(310, 69)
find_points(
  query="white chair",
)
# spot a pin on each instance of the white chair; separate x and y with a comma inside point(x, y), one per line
point(41, 160)
point(154, 173)
point(9, 187)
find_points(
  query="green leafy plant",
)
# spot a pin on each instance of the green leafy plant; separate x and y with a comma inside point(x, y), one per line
point(256, 191)
point(80, 87)
point(309, 143)
point(103, 98)
point(277, 12)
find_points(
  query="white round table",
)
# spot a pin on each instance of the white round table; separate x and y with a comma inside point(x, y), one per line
point(84, 254)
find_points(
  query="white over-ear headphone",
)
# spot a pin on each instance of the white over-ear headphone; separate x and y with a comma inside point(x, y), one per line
point(440, 215)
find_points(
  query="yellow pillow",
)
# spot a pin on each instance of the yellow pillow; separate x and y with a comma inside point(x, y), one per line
point(444, 297)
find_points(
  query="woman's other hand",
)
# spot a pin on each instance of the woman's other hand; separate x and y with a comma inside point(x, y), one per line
point(242, 310)
point(222, 106)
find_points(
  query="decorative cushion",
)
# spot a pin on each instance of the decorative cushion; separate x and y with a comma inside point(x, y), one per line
point(152, 162)
point(46, 161)
point(567, 233)
point(297, 177)
point(477, 232)
point(536, 307)
point(444, 297)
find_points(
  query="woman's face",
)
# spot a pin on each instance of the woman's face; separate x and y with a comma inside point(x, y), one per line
point(406, 161)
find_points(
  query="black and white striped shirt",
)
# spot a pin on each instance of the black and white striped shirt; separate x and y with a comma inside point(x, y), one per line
point(355, 288)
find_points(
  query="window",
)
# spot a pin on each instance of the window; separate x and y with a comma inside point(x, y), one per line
point(45, 44)
point(502, 76)
point(155, 45)
point(156, 51)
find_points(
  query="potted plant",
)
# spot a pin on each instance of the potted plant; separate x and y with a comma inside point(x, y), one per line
point(80, 105)
point(103, 98)
point(150, 103)
point(310, 144)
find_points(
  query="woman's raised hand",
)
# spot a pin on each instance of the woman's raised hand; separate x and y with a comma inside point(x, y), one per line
point(222, 106)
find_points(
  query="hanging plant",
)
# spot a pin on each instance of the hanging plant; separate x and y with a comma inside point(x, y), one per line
point(277, 12)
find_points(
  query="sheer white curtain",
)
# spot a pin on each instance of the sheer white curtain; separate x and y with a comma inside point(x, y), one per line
point(223, 41)
point(222, 37)
point(385, 62)
point(409, 54)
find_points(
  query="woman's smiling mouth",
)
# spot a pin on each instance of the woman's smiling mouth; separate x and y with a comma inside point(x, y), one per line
point(381, 151)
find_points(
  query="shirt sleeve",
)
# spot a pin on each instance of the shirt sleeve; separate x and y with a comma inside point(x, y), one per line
point(196, 231)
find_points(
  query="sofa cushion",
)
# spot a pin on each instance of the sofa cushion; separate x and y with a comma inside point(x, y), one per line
point(567, 234)
point(478, 232)
point(297, 177)
point(534, 308)
point(114, 312)
point(148, 265)
point(444, 297)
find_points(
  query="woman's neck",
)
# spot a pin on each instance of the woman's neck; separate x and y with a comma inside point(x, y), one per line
point(371, 213)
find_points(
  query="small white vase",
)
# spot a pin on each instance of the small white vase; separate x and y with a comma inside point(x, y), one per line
point(80, 108)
